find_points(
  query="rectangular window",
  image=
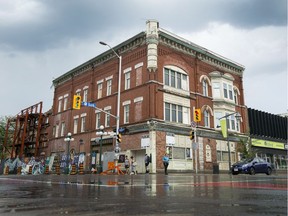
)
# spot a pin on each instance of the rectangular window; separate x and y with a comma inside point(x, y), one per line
point(65, 103)
point(57, 130)
point(75, 128)
point(85, 95)
point(107, 118)
point(127, 80)
point(83, 122)
point(62, 129)
point(230, 92)
point(175, 79)
point(100, 87)
point(216, 90)
point(173, 83)
point(60, 105)
point(205, 88)
point(225, 90)
point(176, 113)
point(167, 77)
point(179, 86)
point(126, 114)
point(109, 87)
point(98, 120)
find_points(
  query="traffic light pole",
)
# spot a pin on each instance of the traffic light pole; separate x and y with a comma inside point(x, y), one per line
point(196, 147)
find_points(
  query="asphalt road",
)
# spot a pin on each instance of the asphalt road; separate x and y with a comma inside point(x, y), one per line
point(146, 194)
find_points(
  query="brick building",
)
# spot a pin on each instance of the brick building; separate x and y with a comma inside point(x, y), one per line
point(164, 78)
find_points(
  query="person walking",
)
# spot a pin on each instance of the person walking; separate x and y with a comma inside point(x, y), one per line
point(147, 161)
point(127, 165)
point(165, 160)
point(133, 165)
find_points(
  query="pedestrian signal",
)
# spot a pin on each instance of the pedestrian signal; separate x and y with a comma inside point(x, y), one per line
point(119, 138)
point(77, 102)
point(197, 115)
point(192, 135)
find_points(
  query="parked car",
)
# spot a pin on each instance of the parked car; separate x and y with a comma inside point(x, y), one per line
point(252, 166)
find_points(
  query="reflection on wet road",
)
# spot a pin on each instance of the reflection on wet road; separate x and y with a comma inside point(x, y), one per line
point(175, 194)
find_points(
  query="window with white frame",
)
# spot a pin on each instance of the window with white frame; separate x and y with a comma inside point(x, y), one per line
point(109, 87)
point(57, 130)
point(174, 112)
point(65, 102)
point(216, 90)
point(205, 87)
point(126, 113)
point(83, 123)
point(85, 95)
point(100, 88)
point(75, 126)
point(175, 79)
point(98, 120)
point(235, 97)
point(206, 118)
point(127, 80)
point(227, 90)
point(60, 104)
point(62, 129)
point(107, 118)
point(233, 124)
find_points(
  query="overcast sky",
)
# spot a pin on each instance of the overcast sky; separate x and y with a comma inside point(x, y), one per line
point(41, 40)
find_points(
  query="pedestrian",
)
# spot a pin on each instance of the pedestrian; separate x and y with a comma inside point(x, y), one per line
point(127, 165)
point(165, 160)
point(133, 165)
point(147, 161)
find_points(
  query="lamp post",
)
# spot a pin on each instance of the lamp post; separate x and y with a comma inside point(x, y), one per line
point(101, 133)
point(237, 116)
point(118, 94)
point(68, 139)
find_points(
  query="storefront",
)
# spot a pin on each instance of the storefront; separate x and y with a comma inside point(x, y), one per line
point(273, 152)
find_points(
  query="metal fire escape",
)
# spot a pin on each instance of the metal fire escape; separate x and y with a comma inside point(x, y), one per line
point(28, 129)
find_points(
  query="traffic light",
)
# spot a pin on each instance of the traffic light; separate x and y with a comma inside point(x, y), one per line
point(119, 138)
point(77, 102)
point(197, 115)
point(192, 135)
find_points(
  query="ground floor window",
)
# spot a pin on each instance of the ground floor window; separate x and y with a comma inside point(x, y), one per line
point(178, 152)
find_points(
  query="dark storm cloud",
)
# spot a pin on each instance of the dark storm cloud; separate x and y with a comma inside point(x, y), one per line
point(67, 20)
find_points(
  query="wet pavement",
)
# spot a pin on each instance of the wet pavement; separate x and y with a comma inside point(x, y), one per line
point(143, 194)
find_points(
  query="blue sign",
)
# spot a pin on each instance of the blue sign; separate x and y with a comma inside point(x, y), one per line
point(88, 104)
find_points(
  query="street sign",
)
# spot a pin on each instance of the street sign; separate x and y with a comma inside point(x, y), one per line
point(193, 124)
point(88, 104)
point(194, 146)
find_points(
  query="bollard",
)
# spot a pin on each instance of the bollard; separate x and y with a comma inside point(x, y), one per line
point(57, 169)
point(6, 170)
point(47, 169)
point(19, 169)
point(73, 169)
point(81, 169)
point(30, 170)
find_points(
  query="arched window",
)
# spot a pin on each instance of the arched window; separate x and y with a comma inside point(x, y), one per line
point(205, 87)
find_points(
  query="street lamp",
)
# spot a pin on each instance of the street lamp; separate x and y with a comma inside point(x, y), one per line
point(238, 117)
point(101, 133)
point(118, 95)
point(68, 139)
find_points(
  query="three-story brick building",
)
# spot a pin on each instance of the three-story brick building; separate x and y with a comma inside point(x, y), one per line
point(164, 78)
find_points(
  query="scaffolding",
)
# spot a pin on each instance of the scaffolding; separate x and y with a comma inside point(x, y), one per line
point(27, 130)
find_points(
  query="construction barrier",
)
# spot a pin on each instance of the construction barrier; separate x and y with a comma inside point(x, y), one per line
point(30, 170)
point(73, 169)
point(57, 169)
point(6, 170)
point(81, 169)
point(111, 169)
point(19, 169)
point(47, 169)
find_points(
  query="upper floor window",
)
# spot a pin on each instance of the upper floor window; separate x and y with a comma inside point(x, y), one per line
point(175, 79)
point(83, 123)
point(126, 114)
point(75, 128)
point(138, 70)
point(98, 120)
point(60, 104)
point(127, 80)
point(65, 102)
point(175, 113)
point(205, 87)
point(57, 130)
point(62, 129)
point(85, 95)
point(109, 87)
point(206, 118)
point(227, 90)
point(100, 87)
point(236, 97)
point(216, 90)
point(107, 118)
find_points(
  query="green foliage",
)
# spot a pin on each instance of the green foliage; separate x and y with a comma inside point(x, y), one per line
point(245, 149)
point(3, 125)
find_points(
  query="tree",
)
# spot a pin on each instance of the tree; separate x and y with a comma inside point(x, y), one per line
point(3, 124)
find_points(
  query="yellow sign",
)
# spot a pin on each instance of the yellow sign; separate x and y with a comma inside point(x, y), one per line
point(223, 124)
point(267, 144)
